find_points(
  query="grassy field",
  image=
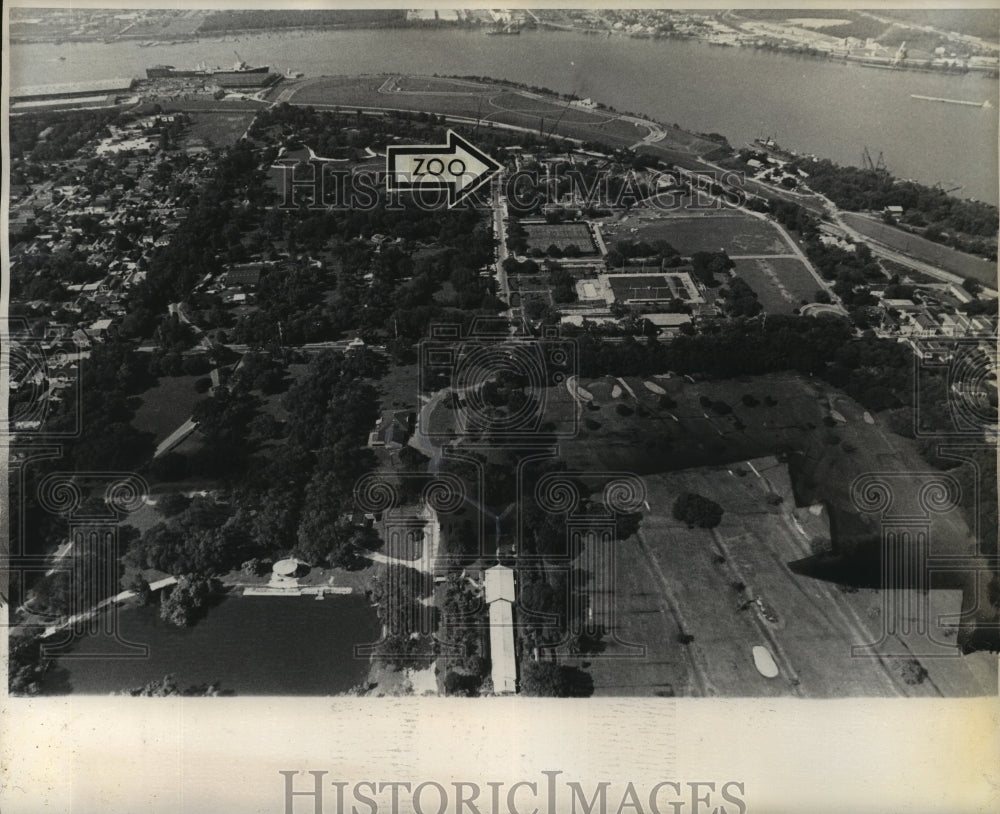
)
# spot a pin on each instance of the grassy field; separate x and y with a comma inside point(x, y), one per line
point(543, 235)
point(646, 435)
point(672, 578)
point(738, 235)
point(825, 458)
point(167, 405)
point(781, 283)
point(946, 258)
point(492, 102)
point(731, 588)
point(218, 129)
point(684, 606)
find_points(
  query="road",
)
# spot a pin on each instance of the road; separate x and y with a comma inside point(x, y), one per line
point(500, 237)
point(840, 228)
point(175, 438)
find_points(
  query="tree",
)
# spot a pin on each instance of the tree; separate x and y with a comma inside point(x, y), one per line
point(167, 686)
point(696, 510)
point(544, 679)
point(140, 585)
point(972, 286)
point(172, 504)
point(460, 684)
point(25, 664)
point(186, 601)
point(413, 459)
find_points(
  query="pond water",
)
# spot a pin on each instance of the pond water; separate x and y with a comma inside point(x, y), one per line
point(248, 645)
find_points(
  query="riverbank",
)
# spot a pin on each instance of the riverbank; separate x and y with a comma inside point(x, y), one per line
point(810, 105)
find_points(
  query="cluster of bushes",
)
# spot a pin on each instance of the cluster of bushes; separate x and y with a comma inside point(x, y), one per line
point(696, 510)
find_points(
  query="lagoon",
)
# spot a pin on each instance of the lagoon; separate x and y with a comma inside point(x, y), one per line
point(248, 645)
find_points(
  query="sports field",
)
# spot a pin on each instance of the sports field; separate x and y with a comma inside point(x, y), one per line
point(738, 235)
point(561, 235)
point(218, 129)
point(782, 284)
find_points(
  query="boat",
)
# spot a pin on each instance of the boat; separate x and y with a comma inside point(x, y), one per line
point(170, 72)
point(511, 29)
point(240, 69)
point(770, 146)
point(985, 103)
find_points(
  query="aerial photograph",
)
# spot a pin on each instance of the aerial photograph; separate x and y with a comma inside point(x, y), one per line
point(501, 352)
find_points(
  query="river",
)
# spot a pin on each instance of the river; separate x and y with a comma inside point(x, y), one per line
point(249, 645)
point(831, 109)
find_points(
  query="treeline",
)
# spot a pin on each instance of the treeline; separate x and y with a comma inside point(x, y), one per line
point(337, 132)
point(628, 252)
point(68, 131)
point(854, 188)
point(244, 20)
point(876, 372)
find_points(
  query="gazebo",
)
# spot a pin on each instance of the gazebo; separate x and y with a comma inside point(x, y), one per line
point(286, 569)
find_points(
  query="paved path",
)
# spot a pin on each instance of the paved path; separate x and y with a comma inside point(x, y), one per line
point(104, 603)
point(175, 438)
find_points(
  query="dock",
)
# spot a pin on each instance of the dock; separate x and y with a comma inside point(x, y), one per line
point(318, 591)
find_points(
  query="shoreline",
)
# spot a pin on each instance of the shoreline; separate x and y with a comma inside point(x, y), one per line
point(806, 51)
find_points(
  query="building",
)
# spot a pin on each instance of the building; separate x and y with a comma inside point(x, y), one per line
point(668, 323)
point(244, 276)
point(72, 90)
point(498, 587)
point(658, 287)
point(245, 79)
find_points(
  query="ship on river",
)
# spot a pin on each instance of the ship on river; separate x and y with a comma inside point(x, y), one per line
point(241, 68)
point(950, 101)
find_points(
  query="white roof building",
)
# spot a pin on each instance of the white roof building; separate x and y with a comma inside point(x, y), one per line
point(499, 584)
point(498, 587)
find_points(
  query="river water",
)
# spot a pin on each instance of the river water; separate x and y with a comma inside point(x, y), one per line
point(249, 645)
point(831, 109)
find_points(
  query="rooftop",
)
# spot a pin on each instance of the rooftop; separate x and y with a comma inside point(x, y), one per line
point(94, 86)
point(502, 654)
point(499, 583)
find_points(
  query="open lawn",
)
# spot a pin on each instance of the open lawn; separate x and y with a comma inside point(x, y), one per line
point(218, 129)
point(731, 588)
point(653, 438)
point(738, 235)
point(491, 102)
point(561, 235)
point(167, 405)
point(781, 283)
point(949, 259)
